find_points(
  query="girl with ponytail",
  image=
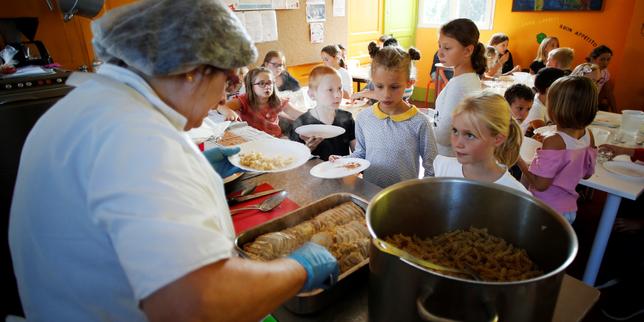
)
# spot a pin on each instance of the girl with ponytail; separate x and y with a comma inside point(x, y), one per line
point(486, 141)
point(332, 56)
point(459, 47)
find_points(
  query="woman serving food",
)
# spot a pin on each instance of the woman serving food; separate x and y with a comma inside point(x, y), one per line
point(116, 214)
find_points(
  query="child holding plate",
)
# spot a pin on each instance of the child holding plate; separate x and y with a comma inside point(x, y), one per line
point(325, 88)
point(393, 135)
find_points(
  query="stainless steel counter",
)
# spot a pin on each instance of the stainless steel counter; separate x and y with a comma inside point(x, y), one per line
point(575, 298)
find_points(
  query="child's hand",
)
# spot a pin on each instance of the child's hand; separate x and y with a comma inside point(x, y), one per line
point(356, 96)
point(231, 116)
point(504, 57)
point(228, 113)
point(311, 142)
point(539, 137)
point(334, 157)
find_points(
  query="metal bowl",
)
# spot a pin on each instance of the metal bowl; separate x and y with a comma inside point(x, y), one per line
point(428, 207)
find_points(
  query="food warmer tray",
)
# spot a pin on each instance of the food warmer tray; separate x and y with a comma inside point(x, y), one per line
point(309, 302)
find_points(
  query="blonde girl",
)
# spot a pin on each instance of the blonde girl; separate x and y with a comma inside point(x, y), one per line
point(276, 62)
point(259, 106)
point(458, 46)
point(547, 44)
point(486, 141)
point(332, 56)
point(569, 154)
point(393, 135)
point(325, 88)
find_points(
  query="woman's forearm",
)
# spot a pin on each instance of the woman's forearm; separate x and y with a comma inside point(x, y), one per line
point(234, 289)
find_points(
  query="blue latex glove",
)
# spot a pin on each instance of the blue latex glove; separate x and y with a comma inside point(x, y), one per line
point(321, 267)
point(218, 158)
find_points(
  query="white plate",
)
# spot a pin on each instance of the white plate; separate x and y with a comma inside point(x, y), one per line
point(546, 130)
point(334, 170)
point(625, 169)
point(607, 119)
point(320, 130)
point(529, 149)
point(272, 148)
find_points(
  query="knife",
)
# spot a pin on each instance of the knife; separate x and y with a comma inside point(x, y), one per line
point(253, 196)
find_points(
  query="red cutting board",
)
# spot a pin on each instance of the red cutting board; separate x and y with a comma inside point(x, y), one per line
point(248, 219)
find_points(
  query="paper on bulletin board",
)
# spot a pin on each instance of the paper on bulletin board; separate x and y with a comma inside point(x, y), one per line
point(339, 8)
point(317, 32)
point(269, 26)
point(315, 11)
point(260, 25)
point(286, 4)
point(250, 4)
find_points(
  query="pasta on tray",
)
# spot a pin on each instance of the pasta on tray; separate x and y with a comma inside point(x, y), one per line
point(342, 230)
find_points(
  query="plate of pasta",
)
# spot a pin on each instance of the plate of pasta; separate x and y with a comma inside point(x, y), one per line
point(270, 155)
point(340, 168)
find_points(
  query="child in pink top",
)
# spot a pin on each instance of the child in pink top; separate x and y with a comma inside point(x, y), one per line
point(568, 155)
point(259, 106)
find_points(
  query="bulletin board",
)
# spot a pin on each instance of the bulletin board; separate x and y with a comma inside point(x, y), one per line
point(294, 35)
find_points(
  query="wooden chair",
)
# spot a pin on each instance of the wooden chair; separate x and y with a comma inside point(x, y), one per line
point(439, 83)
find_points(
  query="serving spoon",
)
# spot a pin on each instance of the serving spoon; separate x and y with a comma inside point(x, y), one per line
point(395, 251)
point(266, 205)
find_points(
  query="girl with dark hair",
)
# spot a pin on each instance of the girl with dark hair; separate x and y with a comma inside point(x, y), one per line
point(504, 65)
point(332, 56)
point(276, 62)
point(601, 56)
point(459, 47)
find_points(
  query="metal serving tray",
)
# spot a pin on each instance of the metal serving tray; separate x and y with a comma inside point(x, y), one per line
point(309, 302)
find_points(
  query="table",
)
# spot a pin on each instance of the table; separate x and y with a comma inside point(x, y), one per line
point(575, 298)
point(360, 74)
point(500, 84)
point(616, 188)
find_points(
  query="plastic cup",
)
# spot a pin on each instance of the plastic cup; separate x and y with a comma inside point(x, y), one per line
point(632, 121)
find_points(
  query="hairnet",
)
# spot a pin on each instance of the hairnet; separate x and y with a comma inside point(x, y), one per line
point(169, 37)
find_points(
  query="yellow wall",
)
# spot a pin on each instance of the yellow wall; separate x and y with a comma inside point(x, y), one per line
point(609, 26)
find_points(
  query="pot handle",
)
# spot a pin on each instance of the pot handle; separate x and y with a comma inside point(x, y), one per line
point(425, 315)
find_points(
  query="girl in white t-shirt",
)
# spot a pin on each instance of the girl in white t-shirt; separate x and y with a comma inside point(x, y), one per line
point(486, 141)
point(332, 56)
point(459, 47)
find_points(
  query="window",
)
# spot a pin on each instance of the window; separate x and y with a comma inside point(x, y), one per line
point(434, 13)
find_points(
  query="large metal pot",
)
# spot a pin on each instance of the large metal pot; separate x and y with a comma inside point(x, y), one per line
point(402, 291)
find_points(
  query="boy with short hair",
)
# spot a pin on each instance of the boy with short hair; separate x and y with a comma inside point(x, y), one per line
point(520, 98)
point(561, 58)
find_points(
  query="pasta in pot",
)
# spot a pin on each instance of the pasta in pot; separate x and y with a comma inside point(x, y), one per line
point(490, 257)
